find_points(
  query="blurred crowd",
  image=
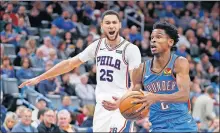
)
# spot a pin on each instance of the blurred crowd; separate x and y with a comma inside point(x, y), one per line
point(45, 33)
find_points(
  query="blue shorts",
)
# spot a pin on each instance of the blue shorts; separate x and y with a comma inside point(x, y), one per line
point(182, 124)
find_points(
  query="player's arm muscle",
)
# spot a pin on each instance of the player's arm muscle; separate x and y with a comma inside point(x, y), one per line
point(61, 68)
point(183, 83)
point(136, 78)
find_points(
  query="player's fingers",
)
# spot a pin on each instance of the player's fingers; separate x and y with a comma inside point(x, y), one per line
point(109, 103)
point(137, 97)
point(141, 108)
point(115, 98)
point(23, 84)
point(138, 101)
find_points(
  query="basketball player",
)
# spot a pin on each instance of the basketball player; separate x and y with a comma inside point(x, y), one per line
point(166, 80)
point(115, 58)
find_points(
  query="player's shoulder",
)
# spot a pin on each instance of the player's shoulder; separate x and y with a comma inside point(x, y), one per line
point(181, 63)
point(130, 46)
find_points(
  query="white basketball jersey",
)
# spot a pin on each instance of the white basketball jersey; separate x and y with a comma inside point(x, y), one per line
point(112, 70)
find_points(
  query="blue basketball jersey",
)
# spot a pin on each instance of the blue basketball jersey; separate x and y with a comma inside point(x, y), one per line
point(164, 82)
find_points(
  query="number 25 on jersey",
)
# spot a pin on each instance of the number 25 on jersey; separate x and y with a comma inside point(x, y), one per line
point(106, 75)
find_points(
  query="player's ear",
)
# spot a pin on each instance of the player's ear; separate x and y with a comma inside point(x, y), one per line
point(120, 25)
point(171, 42)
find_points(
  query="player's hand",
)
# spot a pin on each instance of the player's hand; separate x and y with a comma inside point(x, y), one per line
point(30, 82)
point(146, 100)
point(110, 106)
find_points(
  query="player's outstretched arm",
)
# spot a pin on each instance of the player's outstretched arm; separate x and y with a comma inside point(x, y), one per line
point(60, 68)
point(183, 82)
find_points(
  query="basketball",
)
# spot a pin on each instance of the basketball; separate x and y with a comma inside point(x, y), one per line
point(128, 109)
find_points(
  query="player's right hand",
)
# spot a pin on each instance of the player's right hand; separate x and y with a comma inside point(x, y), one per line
point(30, 82)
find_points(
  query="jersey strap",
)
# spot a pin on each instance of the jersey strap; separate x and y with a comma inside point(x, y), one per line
point(98, 46)
point(123, 54)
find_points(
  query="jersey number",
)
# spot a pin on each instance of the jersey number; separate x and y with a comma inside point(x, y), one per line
point(164, 106)
point(106, 75)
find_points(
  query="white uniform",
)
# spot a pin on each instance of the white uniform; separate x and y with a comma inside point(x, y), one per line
point(113, 67)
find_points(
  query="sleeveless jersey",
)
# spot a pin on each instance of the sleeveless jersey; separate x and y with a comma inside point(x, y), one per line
point(112, 70)
point(163, 83)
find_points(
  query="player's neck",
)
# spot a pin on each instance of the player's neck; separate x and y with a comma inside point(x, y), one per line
point(114, 43)
point(162, 59)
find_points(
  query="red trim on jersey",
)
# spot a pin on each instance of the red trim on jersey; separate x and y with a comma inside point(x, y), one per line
point(127, 77)
point(98, 46)
point(189, 105)
point(123, 126)
point(123, 54)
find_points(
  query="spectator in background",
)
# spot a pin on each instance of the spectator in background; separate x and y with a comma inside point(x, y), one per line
point(181, 51)
point(31, 47)
point(93, 32)
point(47, 124)
point(134, 35)
point(89, 40)
point(85, 91)
point(19, 111)
point(45, 48)
point(56, 6)
point(12, 15)
point(5, 19)
point(22, 14)
point(68, 38)
point(21, 28)
point(55, 40)
point(8, 35)
point(88, 111)
point(53, 56)
point(21, 54)
point(11, 119)
point(40, 105)
point(79, 48)
point(64, 119)
point(64, 22)
point(67, 104)
point(51, 85)
point(25, 72)
point(34, 17)
point(92, 75)
point(66, 6)
point(62, 53)
point(205, 62)
point(40, 118)
point(214, 126)
point(25, 124)
point(37, 60)
point(74, 77)
point(203, 108)
point(7, 69)
point(68, 89)
point(182, 38)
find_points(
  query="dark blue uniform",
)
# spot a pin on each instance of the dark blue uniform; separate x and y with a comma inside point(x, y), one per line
point(167, 116)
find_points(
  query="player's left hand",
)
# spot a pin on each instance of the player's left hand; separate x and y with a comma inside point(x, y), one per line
point(110, 106)
point(146, 100)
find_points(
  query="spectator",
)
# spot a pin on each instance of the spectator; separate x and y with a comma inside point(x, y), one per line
point(68, 88)
point(79, 48)
point(51, 85)
point(55, 40)
point(8, 35)
point(31, 47)
point(53, 56)
point(10, 120)
point(5, 19)
point(214, 126)
point(40, 118)
point(66, 6)
point(83, 90)
point(56, 6)
point(37, 60)
point(181, 51)
point(74, 77)
point(45, 48)
point(20, 111)
point(12, 15)
point(21, 28)
point(93, 32)
point(182, 38)
point(205, 62)
point(21, 54)
point(203, 108)
point(64, 22)
point(25, 124)
point(25, 72)
point(34, 17)
point(134, 35)
point(22, 14)
point(47, 124)
point(40, 105)
point(62, 53)
point(92, 75)
point(64, 119)
point(68, 38)
point(3, 109)
point(67, 104)
point(88, 111)
point(7, 69)
point(89, 40)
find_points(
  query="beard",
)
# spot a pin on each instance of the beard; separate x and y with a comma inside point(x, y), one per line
point(116, 35)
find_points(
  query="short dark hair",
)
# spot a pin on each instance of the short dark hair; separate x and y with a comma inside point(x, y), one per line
point(170, 29)
point(110, 12)
point(42, 112)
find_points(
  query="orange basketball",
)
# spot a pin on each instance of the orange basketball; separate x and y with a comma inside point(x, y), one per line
point(128, 109)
